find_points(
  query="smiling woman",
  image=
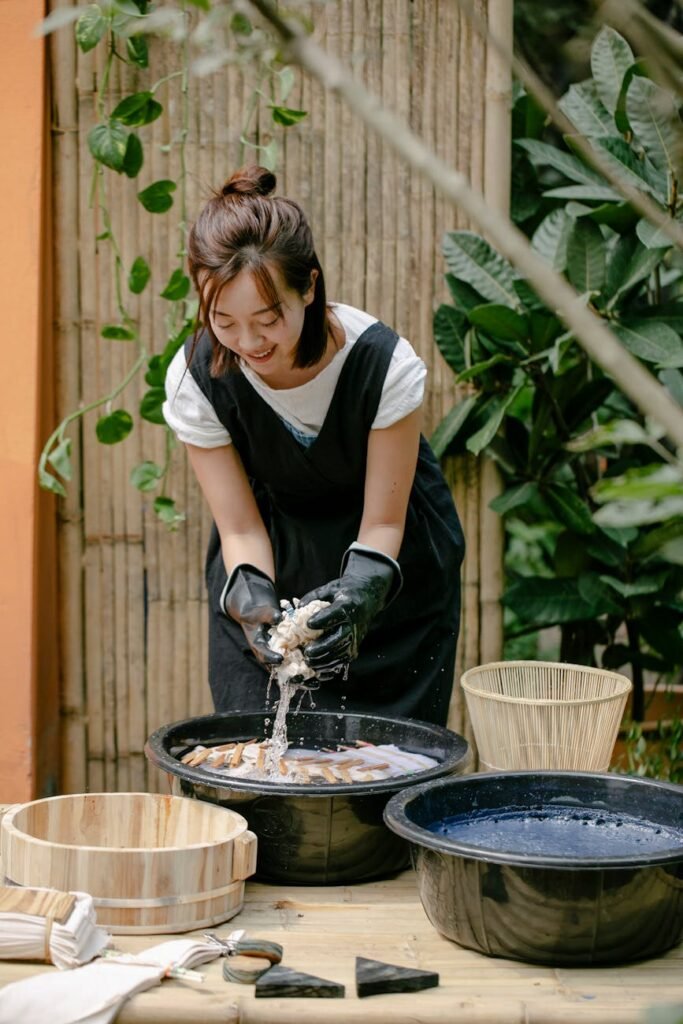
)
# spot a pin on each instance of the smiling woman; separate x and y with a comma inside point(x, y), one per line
point(302, 424)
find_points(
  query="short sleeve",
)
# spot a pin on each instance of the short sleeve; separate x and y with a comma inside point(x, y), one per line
point(188, 411)
point(404, 386)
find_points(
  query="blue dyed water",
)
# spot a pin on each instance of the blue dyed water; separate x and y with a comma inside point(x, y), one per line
point(559, 831)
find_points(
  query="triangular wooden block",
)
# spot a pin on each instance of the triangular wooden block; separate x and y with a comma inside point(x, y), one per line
point(373, 978)
point(281, 982)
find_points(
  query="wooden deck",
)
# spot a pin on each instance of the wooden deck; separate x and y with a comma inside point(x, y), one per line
point(322, 930)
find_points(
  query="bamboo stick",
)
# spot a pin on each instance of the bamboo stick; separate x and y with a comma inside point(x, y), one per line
point(68, 393)
point(374, 167)
point(497, 142)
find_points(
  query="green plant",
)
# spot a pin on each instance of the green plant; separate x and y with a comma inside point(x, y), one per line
point(221, 32)
point(572, 450)
point(657, 754)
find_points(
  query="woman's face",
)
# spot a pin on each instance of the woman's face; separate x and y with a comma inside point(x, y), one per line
point(264, 336)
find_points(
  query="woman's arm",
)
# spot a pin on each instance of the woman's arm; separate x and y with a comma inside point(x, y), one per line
point(225, 486)
point(391, 462)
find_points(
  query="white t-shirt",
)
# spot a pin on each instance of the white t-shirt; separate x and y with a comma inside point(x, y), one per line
point(192, 417)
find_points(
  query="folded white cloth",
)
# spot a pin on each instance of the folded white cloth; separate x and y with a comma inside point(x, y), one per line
point(94, 994)
point(70, 944)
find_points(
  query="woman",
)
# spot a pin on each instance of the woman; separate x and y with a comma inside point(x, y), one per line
point(302, 425)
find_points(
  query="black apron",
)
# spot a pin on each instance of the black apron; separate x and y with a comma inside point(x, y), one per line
point(311, 500)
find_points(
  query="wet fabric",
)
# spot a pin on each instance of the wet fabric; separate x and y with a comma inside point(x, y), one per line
point(311, 501)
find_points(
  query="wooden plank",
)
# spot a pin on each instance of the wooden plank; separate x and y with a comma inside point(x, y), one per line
point(323, 929)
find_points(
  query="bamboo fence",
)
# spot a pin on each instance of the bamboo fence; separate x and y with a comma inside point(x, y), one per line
point(133, 626)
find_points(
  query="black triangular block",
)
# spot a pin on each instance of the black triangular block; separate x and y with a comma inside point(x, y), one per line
point(280, 982)
point(373, 978)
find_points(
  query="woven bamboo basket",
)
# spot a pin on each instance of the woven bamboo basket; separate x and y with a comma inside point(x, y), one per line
point(151, 863)
point(539, 714)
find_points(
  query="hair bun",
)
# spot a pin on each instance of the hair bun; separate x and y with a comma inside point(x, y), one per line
point(250, 181)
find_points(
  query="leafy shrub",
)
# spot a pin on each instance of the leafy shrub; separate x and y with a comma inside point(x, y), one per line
point(576, 458)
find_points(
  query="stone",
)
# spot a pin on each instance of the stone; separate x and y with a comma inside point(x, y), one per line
point(282, 982)
point(374, 978)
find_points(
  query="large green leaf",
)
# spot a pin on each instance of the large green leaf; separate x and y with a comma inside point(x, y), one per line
point(588, 193)
point(614, 433)
point(611, 57)
point(139, 275)
point(622, 513)
point(518, 496)
point(480, 368)
point(661, 628)
point(464, 297)
point(138, 51)
point(118, 332)
point(472, 259)
point(90, 27)
point(654, 118)
point(548, 602)
point(645, 584)
point(551, 236)
point(146, 475)
point(651, 236)
point(550, 156)
point(151, 405)
point(630, 168)
point(655, 542)
point(134, 158)
point(619, 216)
point(60, 458)
point(107, 144)
point(178, 286)
point(450, 328)
point(586, 267)
point(165, 509)
point(525, 199)
point(599, 594)
point(673, 381)
point(115, 427)
point(136, 110)
point(569, 508)
point(641, 483)
point(652, 341)
point(451, 425)
point(630, 264)
point(48, 481)
point(584, 108)
point(157, 198)
point(286, 116)
point(477, 442)
point(500, 322)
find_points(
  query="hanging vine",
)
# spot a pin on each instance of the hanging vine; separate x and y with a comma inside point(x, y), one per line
point(223, 34)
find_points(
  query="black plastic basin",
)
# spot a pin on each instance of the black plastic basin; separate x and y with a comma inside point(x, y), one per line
point(609, 896)
point(311, 834)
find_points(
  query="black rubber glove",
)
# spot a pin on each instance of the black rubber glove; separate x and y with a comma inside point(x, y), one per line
point(369, 581)
point(249, 598)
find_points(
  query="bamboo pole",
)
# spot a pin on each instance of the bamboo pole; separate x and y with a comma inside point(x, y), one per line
point(67, 367)
point(497, 141)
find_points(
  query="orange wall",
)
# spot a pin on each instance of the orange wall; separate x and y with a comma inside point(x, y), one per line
point(24, 302)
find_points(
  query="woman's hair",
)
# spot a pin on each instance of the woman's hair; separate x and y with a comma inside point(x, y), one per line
point(244, 227)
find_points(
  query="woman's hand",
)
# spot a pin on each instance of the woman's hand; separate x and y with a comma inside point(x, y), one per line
point(249, 598)
point(369, 581)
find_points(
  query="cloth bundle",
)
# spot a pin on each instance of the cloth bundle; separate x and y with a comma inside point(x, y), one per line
point(95, 993)
point(45, 924)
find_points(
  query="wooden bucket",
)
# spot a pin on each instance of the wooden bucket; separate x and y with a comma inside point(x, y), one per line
point(152, 863)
